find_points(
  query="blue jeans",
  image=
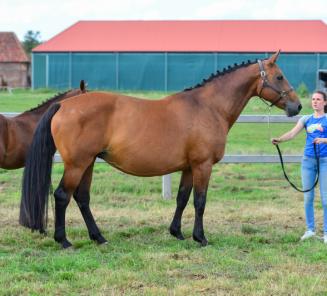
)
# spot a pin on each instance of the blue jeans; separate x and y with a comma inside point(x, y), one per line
point(309, 173)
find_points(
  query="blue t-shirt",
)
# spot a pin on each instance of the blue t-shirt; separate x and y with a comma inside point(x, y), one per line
point(315, 128)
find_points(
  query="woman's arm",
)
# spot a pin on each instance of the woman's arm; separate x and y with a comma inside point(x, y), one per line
point(290, 134)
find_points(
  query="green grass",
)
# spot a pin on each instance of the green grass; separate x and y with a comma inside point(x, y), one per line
point(21, 100)
point(253, 221)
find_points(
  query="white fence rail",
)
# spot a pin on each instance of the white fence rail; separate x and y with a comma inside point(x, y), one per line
point(166, 180)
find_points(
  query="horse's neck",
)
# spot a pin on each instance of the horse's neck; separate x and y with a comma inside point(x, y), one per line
point(32, 115)
point(36, 113)
point(231, 93)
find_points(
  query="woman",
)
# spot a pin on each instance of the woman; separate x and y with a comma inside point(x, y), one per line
point(316, 130)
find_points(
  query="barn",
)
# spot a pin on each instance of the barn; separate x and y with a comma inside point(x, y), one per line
point(14, 63)
point(173, 55)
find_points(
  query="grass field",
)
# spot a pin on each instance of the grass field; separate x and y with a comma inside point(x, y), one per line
point(253, 221)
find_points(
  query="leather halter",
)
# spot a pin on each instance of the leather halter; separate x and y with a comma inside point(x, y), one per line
point(265, 83)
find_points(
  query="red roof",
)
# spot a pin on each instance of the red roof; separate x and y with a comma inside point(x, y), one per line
point(191, 36)
point(11, 50)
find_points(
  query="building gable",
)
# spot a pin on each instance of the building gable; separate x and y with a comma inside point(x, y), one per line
point(11, 50)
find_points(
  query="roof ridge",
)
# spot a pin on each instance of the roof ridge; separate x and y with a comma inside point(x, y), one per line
point(190, 36)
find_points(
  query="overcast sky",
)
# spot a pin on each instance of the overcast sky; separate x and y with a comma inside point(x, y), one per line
point(52, 17)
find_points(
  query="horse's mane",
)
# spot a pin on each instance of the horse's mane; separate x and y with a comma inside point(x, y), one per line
point(49, 101)
point(229, 69)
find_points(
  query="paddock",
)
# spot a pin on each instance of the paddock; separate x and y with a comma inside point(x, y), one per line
point(253, 217)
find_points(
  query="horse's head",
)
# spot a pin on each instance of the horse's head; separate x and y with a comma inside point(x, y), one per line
point(77, 91)
point(274, 87)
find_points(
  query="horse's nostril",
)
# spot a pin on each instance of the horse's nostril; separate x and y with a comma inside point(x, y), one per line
point(299, 108)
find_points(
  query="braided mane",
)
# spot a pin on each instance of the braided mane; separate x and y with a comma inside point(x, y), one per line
point(229, 69)
point(48, 101)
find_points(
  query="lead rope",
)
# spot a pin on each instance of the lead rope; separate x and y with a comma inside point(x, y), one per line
point(268, 121)
point(287, 178)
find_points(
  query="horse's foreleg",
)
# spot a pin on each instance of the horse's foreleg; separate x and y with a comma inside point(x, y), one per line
point(184, 191)
point(201, 176)
point(82, 197)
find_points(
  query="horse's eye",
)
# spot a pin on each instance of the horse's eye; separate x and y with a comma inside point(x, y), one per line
point(280, 77)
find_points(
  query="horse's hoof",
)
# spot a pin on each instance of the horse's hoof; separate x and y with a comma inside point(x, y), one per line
point(203, 241)
point(102, 241)
point(180, 236)
point(176, 233)
point(65, 244)
point(99, 239)
point(43, 232)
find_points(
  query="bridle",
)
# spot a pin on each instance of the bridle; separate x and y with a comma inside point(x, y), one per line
point(265, 83)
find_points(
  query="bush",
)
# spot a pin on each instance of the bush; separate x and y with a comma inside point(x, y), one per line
point(302, 90)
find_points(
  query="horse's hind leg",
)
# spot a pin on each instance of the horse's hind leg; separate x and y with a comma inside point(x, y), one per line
point(184, 191)
point(61, 202)
point(82, 197)
point(68, 184)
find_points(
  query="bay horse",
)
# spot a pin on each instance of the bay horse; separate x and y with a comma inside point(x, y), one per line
point(186, 131)
point(16, 133)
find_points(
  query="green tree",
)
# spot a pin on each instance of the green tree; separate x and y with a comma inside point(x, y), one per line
point(31, 40)
point(302, 90)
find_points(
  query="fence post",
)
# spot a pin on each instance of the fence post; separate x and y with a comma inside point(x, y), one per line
point(166, 186)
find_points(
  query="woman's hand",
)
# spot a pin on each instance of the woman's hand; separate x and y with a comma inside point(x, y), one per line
point(320, 140)
point(275, 141)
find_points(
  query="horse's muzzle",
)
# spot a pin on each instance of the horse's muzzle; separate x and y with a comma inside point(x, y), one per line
point(293, 109)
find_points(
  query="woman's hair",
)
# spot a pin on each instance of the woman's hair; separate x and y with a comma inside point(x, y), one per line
point(323, 95)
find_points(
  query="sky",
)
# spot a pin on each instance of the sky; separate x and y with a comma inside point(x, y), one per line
point(52, 17)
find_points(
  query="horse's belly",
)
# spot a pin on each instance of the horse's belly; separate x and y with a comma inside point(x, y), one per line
point(146, 163)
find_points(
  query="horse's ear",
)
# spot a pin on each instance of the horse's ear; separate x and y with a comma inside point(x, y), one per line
point(82, 86)
point(274, 57)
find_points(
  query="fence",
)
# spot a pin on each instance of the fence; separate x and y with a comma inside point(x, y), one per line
point(166, 180)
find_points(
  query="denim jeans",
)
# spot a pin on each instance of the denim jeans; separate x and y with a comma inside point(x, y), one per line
point(309, 173)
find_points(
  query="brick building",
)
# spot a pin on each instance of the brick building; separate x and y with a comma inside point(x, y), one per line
point(14, 63)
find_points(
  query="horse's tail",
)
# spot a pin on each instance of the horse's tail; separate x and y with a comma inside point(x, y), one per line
point(37, 175)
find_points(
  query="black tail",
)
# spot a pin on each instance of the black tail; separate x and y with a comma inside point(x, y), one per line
point(37, 174)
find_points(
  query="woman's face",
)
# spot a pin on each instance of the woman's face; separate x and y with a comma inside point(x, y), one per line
point(317, 102)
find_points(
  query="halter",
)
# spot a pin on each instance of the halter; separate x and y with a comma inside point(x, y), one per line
point(265, 83)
